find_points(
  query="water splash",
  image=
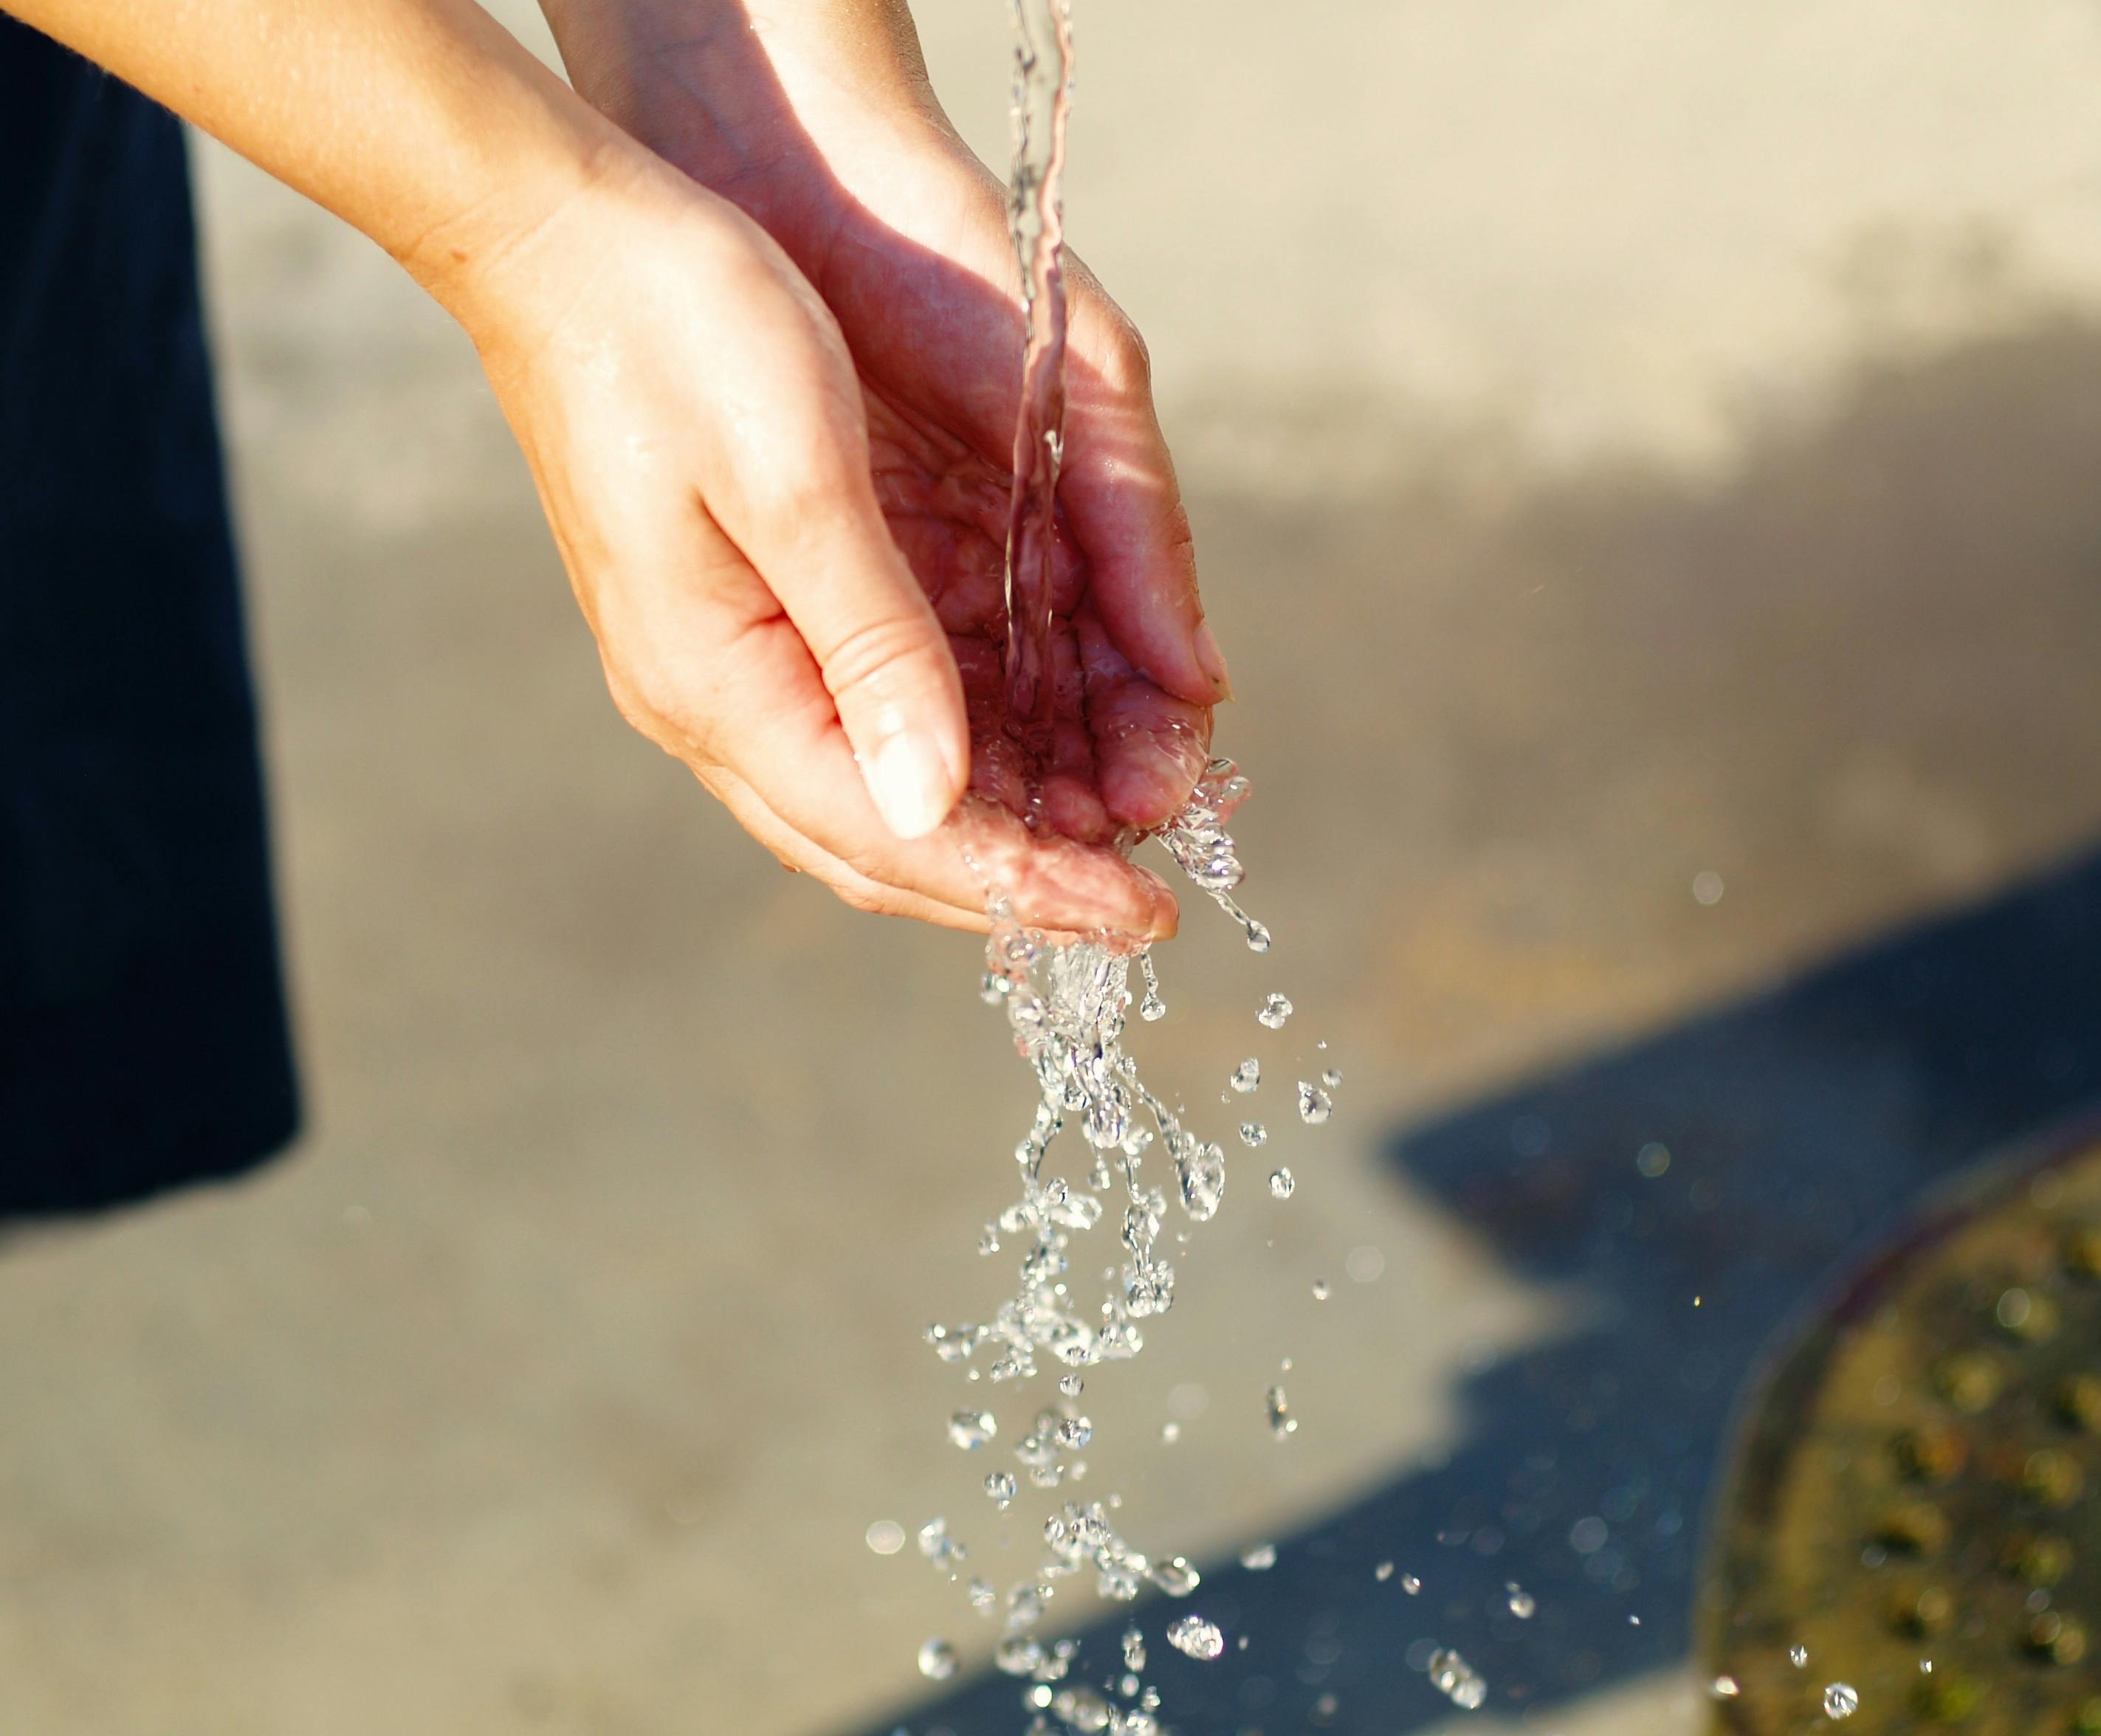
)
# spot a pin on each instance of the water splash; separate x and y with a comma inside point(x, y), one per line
point(1195, 1638)
point(1278, 1407)
point(1453, 1677)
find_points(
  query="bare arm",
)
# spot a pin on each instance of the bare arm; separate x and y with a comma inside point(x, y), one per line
point(422, 122)
point(692, 418)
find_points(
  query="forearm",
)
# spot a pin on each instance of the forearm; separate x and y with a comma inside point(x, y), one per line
point(422, 122)
point(725, 86)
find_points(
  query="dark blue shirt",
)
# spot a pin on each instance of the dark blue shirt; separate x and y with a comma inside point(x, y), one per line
point(142, 1037)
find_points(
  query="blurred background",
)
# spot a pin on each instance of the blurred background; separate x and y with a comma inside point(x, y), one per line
point(1646, 461)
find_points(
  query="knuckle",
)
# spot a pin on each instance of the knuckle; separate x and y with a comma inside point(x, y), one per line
point(870, 898)
point(658, 703)
point(1129, 358)
point(872, 660)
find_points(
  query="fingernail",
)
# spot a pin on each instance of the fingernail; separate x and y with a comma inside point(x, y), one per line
point(1212, 660)
point(1166, 912)
point(909, 778)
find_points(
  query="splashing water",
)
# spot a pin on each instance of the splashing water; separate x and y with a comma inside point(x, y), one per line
point(972, 1428)
point(1281, 1421)
point(1195, 1638)
point(1066, 1007)
point(1453, 1677)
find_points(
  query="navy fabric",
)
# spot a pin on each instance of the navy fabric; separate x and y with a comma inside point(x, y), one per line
point(143, 1033)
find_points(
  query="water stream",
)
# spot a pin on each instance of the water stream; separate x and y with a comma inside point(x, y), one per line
point(1136, 1163)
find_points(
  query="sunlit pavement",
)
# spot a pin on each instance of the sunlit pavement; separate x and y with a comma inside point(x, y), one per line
point(1626, 448)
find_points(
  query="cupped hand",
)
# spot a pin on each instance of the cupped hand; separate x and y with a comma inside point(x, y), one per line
point(817, 119)
point(701, 446)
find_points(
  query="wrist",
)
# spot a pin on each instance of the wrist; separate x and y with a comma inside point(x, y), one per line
point(733, 90)
point(497, 263)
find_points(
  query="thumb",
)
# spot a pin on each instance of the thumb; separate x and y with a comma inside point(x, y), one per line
point(827, 555)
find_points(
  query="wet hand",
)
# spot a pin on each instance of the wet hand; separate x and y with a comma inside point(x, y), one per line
point(817, 119)
point(702, 448)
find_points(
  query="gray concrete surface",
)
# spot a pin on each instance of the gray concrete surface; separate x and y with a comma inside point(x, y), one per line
point(1627, 443)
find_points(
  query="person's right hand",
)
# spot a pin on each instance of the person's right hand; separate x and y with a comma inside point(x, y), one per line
point(697, 432)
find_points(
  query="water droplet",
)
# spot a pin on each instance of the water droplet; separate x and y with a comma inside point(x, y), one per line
point(1315, 1104)
point(1332, 1079)
point(1281, 1421)
point(1083, 1710)
point(1075, 1432)
point(1019, 1655)
point(1799, 1656)
point(1195, 1638)
point(885, 1537)
point(1411, 1585)
point(1275, 1011)
point(1134, 1650)
point(1840, 1700)
point(1153, 1008)
point(972, 1428)
point(1258, 936)
point(1523, 1605)
point(1253, 1132)
point(981, 1595)
point(1000, 1487)
point(1281, 1182)
point(1170, 1433)
point(1320, 1290)
point(1259, 1557)
point(937, 1546)
point(937, 1660)
point(1724, 1688)
point(1653, 1159)
point(1455, 1678)
point(1176, 1577)
point(1246, 1077)
point(1382, 1572)
point(1200, 1172)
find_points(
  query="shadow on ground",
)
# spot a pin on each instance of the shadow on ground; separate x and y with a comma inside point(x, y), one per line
point(1690, 1192)
point(1799, 1125)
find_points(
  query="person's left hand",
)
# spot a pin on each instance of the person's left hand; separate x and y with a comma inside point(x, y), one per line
point(816, 118)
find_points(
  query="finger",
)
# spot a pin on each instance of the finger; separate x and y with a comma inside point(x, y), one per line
point(1150, 747)
point(806, 856)
point(771, 721)
point(798, 502)
point(1124, 505)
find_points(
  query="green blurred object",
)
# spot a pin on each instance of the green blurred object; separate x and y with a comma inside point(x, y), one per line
point(1912, 1509)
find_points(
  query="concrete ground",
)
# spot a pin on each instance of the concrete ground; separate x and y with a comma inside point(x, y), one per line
point(1628, 443)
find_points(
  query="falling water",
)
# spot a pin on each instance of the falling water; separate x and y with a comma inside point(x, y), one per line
point(1066, 1006)
point(1035, 213)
